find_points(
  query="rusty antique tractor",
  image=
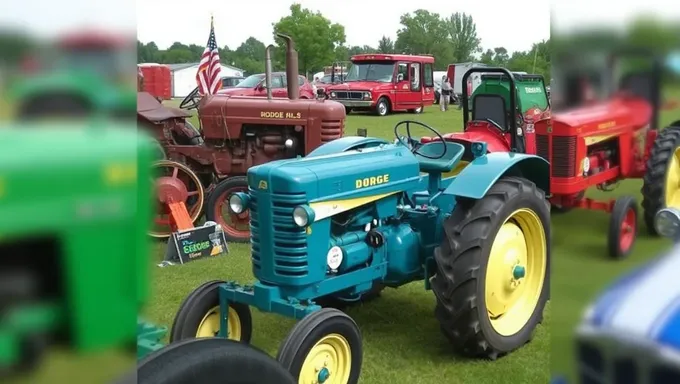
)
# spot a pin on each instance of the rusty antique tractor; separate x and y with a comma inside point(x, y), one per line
point(235, 133)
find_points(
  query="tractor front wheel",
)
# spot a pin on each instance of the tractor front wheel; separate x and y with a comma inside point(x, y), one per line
point(661, 183)
point(324, 347)
point(622, 227)
point(236, 226)
point(199, 316)
point(209, 360)
point(492, 278)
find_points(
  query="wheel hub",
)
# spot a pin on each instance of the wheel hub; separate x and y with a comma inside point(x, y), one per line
point(170, 189)
point(324, 374)
point(518, 272)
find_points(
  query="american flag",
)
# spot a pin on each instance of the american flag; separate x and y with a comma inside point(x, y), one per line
point(208, 76)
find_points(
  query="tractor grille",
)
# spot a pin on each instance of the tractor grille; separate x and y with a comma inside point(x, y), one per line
point(563, 162)
point(344, 95)
point(331, 130)
point(289, 242)
point(621, 368)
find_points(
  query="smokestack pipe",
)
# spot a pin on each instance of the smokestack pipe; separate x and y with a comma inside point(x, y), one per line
point(292, 69)
point(268, 70)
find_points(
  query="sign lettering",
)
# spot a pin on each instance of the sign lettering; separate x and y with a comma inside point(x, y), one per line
point(606, 125)
point(371, 181)
point(533, 90)
point(196, 243)
point(280, 115)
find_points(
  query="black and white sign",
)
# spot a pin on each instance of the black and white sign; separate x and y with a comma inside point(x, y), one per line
point(195, 243)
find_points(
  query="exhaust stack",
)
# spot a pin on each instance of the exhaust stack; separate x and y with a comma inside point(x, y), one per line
point(268, 70)
point(292, 69)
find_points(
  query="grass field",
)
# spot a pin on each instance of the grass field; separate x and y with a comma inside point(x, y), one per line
point(402, 340)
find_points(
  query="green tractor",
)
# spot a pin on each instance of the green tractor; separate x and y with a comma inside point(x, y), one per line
point(531, 93)
point(74, 214)
point(78, 75)
point(74, 211)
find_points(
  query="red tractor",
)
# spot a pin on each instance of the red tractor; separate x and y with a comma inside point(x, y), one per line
point(593, 145)
point(236, 133)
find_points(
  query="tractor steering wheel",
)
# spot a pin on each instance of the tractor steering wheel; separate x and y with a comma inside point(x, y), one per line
point(495, 124)
point(191, 101)
point(415, 144)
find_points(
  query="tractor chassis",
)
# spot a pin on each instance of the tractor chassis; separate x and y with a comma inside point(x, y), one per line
point(273, 299)
point(565, 201)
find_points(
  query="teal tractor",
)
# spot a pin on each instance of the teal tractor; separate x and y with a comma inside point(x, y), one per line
point(359, 213)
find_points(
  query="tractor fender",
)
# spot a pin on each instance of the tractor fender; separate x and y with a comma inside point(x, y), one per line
point(346, 143)
point(477, 177)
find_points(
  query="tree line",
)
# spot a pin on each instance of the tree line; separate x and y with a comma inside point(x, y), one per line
point(320, 42)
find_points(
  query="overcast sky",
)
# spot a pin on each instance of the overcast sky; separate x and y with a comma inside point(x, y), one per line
point(499, 22)
point(365, 21)
point(574, 14)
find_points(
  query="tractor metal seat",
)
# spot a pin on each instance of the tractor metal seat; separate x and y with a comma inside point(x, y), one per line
point(454, 152)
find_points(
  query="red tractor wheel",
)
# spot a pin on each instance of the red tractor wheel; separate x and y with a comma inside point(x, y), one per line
point(622, 227)
point(236, 226)
point(175, 182)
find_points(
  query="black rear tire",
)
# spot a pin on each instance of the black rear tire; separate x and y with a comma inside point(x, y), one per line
point(210, 360)
point(654, 181)
point(462, 258)
point(221, 194)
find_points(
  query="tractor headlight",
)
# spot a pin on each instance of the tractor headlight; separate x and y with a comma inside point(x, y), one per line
point(238, 202)
point(667, 222)
point(585, 165)
point(303, 215)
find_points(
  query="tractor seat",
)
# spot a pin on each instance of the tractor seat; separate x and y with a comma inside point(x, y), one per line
point(454, 152)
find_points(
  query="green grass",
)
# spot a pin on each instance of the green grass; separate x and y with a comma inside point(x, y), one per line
point(402, 341)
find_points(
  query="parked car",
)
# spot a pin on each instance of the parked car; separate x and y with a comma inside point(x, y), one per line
point(254, 85)
point(231, 81)
point(327, 80)
point(631, 333)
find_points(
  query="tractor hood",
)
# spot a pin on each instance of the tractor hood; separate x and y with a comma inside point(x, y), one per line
point(236, 91)
point(358, 86)
point(641, 306)
point(383, 169)
point(622, 111)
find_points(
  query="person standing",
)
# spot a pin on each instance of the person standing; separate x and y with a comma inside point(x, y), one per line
point(445, 97)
